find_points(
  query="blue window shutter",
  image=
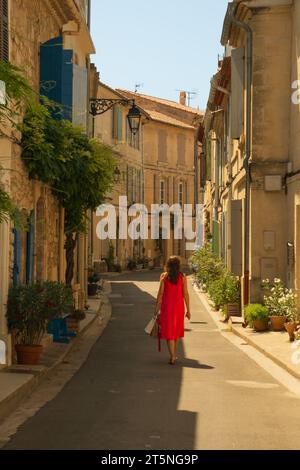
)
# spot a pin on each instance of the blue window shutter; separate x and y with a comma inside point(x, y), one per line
point(56, 72)
point(30, 249)
point(17, 256)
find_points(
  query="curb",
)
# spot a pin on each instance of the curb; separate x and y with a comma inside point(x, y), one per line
point(269, 355)
point(10, 403)
point(215, 316)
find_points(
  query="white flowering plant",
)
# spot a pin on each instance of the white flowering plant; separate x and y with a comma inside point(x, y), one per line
point(279, 300)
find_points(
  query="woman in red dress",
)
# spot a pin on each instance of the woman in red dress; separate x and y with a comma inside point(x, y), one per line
point(172, 295)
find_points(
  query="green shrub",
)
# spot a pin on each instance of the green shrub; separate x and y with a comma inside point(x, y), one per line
point(224, 290)
point(207, 266)
point(256, 312)
point(31, 307)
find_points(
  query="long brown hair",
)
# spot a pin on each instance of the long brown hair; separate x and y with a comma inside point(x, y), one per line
point(173, 269)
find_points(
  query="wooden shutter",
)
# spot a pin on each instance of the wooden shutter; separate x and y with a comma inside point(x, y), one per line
point(208, 160)
point(4, 31)
point(186, 196)
point(216, 237)
point(80, 89)
point(175, 194)
point(181, 148)
point(120, 125)
point(162, 146)
point(237, 92)
point(30, 249)
point(156, 188)
point(17, 256)
point(236, 237)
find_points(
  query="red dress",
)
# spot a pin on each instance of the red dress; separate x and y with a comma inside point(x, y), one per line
point(172, 310)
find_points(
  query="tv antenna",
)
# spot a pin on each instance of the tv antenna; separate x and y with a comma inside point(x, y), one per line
point(138, 86)
point(190, 95)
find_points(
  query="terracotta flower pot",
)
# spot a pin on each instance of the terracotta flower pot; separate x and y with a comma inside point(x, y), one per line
point(291, 329)
point(73, 325)
point(260, 325)
point(28, 355)
point(92, 289)
point(277, 322)
point(232, 310)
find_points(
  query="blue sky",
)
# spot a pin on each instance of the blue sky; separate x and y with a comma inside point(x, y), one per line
point(166, 45)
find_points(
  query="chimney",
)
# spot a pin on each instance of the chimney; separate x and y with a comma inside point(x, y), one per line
point(182, 98)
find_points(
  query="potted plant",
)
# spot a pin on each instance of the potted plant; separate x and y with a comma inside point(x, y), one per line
point(131, 265)
point(140, 263)
point(151, 264)
point(225, 293)
point(29, 310)
point(231, 296)
point(292, 314)
point(73, 320)
point(280, 302)
point(93, 280)
point(257, 316)
point(117, 268)
point(110, 259)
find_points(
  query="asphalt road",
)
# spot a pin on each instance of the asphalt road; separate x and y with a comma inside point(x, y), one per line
point(126, 396)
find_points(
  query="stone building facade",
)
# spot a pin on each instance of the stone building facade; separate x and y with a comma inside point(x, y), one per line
point(33, 27)
point(112, 129)
point(156, 167)
point(251, 145)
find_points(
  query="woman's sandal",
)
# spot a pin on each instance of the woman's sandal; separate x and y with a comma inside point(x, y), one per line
point(172, 361)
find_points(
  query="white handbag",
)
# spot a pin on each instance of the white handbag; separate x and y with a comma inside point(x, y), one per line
point(150, 326)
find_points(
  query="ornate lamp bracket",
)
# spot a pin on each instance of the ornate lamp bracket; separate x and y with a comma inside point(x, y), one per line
point(99, 106)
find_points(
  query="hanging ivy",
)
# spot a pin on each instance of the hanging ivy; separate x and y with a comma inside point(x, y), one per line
point(9, 211)
point(78, 169)
point(17, 95)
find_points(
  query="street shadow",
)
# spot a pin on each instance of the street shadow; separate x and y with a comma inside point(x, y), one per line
point(193, 364)
point(125, 396)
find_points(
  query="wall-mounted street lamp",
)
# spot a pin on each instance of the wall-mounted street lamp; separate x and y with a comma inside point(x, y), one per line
point(99, 106)
point(117, 175)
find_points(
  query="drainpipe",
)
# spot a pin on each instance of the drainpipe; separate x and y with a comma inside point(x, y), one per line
point(249, 53)
point(89, 14)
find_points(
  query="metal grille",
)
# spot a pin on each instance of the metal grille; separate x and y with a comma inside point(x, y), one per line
point(4, 36)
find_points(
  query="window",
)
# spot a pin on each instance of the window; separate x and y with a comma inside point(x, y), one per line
point(180, 194)
point(162, 192)
point(181, 149)
point(4, 36)
point(162, 146)
point(237, 95)
point(134, 185)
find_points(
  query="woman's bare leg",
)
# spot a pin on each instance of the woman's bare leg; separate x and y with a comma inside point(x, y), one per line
point(172, 351)
point(175, 348)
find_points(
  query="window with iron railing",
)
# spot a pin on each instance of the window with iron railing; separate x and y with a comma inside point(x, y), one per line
point(180, 194)
point(162, 191)
point(4, 30)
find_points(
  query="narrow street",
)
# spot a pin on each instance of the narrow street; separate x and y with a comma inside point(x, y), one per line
point(126, 396)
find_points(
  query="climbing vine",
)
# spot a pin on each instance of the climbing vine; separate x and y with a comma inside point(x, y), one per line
point(78, 169)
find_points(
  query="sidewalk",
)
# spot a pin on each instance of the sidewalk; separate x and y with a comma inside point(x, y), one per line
point(274, 345)
point(18, 381)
